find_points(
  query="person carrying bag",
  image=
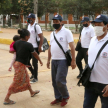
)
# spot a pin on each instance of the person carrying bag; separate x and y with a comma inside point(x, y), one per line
point(85, 76)
point(45, 44)
point(67, 53)
point(82, 46)
point(59, 65)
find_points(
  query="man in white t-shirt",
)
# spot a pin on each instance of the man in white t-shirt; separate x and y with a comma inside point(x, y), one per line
point(59, 66)
point(86, 35)
point(98, 85)
point(105, 90)
point(35, 35)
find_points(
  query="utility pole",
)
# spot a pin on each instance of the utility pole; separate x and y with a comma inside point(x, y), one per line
point(36, 9)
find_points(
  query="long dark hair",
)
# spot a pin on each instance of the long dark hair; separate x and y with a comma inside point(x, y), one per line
point(23, 33)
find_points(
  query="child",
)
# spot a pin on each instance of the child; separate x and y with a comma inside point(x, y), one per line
point(15, 38)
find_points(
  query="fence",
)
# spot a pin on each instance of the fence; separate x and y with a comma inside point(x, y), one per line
point(13, 21)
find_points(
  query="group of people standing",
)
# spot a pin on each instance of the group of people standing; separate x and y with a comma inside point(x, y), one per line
point(92, 39)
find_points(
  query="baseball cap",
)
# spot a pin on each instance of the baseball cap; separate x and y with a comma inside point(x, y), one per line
point(57, 17)
point(101, 18)
point(31, 15)
point(85, 19)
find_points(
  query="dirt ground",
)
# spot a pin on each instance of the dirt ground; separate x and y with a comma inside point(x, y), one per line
point(46, 95)
point(43, 99)
point(9, 33)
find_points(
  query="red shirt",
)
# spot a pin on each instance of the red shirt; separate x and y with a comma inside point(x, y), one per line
point(11, 46)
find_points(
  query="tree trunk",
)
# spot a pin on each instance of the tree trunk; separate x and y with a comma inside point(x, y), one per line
point(45, 21)
point(76, 28)
point(20, 21)
point(93, 17)
point(4, 20)
point(9, 21)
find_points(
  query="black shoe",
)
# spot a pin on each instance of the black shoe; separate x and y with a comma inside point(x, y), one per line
point(33, 81)
point(31, 77)
point(79, 76)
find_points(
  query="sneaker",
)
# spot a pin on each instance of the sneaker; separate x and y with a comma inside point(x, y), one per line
point(56, 101)
point(31, 77)
point(64, 101)
point(33, 81)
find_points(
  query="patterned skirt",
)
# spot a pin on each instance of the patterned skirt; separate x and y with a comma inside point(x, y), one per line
point(21, 79)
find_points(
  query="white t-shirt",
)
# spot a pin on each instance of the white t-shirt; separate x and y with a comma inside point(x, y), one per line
point(34, 34)
point(100, 71)
point(86, 35)
point(64, 37)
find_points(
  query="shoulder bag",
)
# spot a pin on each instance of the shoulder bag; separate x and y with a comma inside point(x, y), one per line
point(67, 53)
point(45, 44)
point(78, 46)
point(85, 76)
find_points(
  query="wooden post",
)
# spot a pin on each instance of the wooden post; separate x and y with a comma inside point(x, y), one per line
point(36, 9)
point(23, 21)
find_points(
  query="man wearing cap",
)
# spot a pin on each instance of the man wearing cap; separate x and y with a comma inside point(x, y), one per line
point(59, 66)
point(33, 35)
point(86, 35)
point(105, 90)
point(98, 85)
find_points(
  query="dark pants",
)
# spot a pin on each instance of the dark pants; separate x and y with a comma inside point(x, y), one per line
point(82, 54)
point(59, 71)
point(91, 94)
point(34, 70)
point(30, 68)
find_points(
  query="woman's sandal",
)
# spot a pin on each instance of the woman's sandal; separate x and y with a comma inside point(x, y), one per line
point(9, 103)
point(36, 92)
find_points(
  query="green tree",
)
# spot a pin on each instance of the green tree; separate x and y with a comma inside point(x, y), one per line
point(16, 8)
point(5, 7)
point(79, 8)
point(72, 7)
point(46, 7)
point(27, 6)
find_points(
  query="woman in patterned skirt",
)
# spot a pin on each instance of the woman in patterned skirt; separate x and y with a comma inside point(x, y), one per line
point(21, 78)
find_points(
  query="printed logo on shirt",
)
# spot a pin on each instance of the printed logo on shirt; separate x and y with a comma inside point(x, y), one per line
point(104, 55)
point(61, 39)
point(32, 31)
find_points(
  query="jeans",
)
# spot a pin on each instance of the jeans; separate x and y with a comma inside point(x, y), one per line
point(59, 71)
point(91, 94)
point(30, 68)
